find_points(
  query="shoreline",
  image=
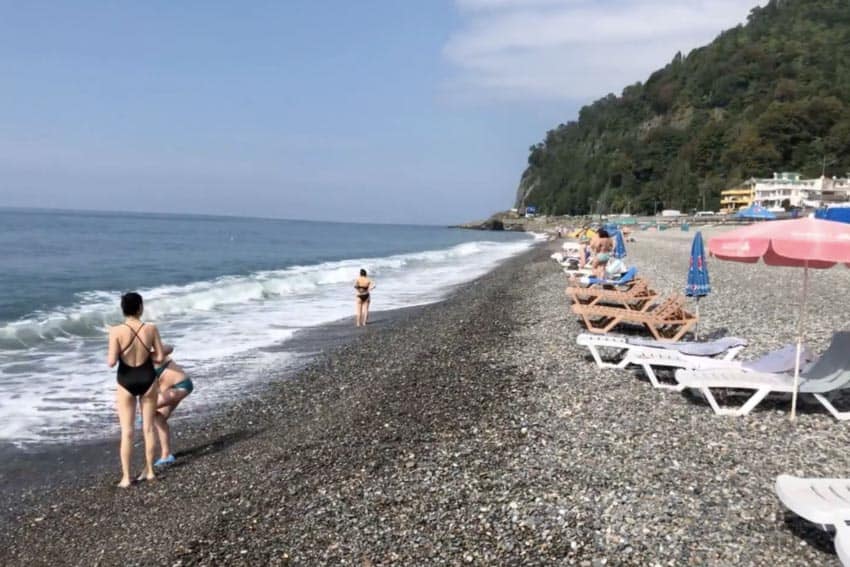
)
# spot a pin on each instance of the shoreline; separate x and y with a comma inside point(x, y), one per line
point(290, 439)
point(44, 467)
point(475, 431)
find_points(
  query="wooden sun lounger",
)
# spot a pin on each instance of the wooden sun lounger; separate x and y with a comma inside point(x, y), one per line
point(638, 296)
point(666, 321)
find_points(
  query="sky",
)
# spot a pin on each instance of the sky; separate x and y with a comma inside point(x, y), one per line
point(417, 111)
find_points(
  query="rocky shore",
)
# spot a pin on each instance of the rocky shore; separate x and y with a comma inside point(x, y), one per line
point(475, 432)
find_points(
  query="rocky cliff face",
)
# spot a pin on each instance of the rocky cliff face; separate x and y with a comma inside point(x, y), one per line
point(527, 184)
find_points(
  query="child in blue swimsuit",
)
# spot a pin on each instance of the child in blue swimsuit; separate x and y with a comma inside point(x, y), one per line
point(174, 387)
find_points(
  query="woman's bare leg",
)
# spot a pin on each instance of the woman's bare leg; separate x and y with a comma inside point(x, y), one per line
point(365, 311)
point(358, 312)
point(125, 403)
point(148, 403)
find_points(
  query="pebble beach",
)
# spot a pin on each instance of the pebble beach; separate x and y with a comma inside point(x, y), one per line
point(475, 431)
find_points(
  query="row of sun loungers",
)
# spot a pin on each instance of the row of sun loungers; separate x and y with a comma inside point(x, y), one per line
point(707, 366)
point(605, 304)
point(668, 320)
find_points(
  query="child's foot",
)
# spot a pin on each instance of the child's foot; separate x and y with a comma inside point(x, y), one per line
point(164, 461)
point(125, 483)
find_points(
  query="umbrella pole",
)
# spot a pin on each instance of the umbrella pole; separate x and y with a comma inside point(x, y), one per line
point(799, 342)
point(696, 327)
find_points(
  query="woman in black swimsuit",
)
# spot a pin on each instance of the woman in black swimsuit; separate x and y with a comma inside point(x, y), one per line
point(362, 287)
point(134, 346)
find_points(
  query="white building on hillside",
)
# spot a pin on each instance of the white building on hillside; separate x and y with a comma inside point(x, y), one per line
point(789, 190)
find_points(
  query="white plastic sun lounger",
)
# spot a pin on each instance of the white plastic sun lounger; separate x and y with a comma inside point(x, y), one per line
point(645, 352)
point(830, 373)
point(822, 501)
point(842, 542)
point(781, 360)
point(729, 347)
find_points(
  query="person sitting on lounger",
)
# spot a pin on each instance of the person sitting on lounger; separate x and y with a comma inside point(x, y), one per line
point(601, 247)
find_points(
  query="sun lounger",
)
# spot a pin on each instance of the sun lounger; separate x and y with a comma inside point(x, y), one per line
point(821, 501)
point(649, 359)
point(577, 274)
point(720, 353)
point(842, 542)
point(665, 321)
point(725, 348)
point(638, 296)
point(830, 373)
point(626, 279)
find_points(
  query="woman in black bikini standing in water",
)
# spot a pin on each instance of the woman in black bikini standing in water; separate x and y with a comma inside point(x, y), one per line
point(362, 287)
point(134, 346)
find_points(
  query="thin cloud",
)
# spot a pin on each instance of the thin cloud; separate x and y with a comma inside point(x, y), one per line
point(575, 49)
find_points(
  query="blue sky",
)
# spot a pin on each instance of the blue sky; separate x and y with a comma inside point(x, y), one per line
point(372, 111)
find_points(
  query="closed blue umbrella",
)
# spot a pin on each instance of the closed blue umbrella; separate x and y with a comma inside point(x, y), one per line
point(619, 245)
point(699, 284)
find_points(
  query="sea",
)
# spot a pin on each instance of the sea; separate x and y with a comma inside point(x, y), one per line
point(228, 293)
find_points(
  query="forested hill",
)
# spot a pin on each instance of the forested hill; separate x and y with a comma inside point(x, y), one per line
point(772, 95)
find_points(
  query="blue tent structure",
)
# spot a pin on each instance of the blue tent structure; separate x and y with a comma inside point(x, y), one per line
point(699, 284)
point(755, 212)
point(838, 214)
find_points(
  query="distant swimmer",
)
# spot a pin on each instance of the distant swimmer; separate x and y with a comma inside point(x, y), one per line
point(174, 387)
point(135, 346)
point(362, 288)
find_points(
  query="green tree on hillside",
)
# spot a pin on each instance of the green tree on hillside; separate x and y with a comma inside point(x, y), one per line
point(767, 96)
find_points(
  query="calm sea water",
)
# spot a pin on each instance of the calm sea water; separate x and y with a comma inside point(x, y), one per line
point(223, 290)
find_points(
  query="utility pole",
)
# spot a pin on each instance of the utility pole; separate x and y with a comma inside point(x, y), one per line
point(826, 163)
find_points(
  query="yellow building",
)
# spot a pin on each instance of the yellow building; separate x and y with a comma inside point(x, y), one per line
point(733, 200)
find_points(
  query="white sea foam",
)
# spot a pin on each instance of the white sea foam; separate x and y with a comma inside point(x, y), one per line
point(54, 385)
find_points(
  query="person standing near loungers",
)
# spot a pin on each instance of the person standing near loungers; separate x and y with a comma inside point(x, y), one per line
point(362, 288)
point(174, 387)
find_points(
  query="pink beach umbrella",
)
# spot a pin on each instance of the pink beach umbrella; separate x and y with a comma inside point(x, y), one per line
point(803, 243)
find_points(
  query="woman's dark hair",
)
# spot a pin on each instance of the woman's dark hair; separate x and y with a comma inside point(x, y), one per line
point(363, 273)
point(603, 233)
point(131, 304)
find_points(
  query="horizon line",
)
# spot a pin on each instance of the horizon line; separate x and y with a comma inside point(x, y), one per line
point(208, 215)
